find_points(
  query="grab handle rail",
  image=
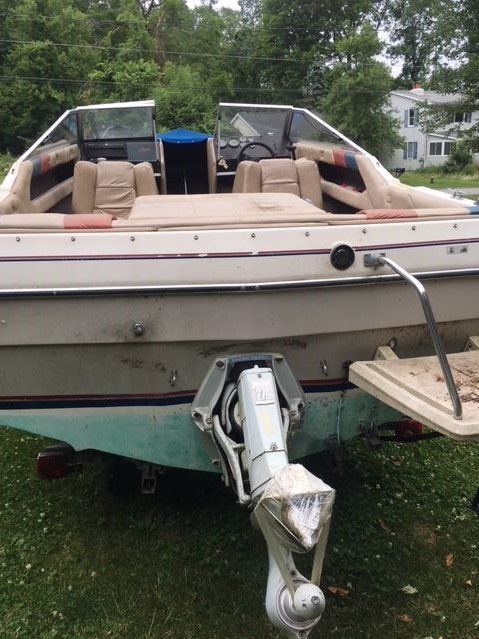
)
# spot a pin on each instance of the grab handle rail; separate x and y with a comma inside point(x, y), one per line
point(373, 260)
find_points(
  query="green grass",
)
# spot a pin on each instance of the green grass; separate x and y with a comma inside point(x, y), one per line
point(78, 562)
point(440, 180)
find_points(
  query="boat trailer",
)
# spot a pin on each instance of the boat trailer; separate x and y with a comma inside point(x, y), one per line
point(246, 407)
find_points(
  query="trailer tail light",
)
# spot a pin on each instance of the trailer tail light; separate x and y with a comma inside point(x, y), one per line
point(56, 462)
point(408, 429)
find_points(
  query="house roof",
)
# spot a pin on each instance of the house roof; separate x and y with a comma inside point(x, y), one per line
point(444, 135)
point(433, 97)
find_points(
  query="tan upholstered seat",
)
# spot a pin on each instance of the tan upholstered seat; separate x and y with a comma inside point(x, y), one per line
point(300, 177)
point(110, 187)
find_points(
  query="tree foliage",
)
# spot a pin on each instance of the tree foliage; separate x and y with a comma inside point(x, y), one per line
point(327, 55)
point(359, 90)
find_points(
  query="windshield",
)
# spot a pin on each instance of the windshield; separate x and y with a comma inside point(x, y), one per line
point(238, 124)
point(305, 128)
point(114, 123)
point(251, 121)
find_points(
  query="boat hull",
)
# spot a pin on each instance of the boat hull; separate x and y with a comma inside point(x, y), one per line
point(76, 369)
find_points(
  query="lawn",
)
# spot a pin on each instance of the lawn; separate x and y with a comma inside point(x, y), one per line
point(441, 180)
point(78, 561)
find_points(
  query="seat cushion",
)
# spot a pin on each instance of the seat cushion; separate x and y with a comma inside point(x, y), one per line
point(84, 184)
point(309, 181)
point(115, 188)
point(145, 179)
point(247, 178)
point(279, 176)
point(110, 187)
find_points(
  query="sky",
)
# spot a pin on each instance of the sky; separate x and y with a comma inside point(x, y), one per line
point(232, 4)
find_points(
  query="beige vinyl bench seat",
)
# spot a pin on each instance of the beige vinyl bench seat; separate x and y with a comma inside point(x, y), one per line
point(224, 208)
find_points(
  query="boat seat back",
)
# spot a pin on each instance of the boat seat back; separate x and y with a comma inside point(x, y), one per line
point(211, 159)
point(110, 187)
point(42, 181)
point(300, 177)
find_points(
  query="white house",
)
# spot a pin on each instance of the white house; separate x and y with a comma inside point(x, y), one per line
point(421, 148)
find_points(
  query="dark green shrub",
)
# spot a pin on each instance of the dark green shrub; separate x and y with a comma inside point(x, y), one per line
point(460, 160)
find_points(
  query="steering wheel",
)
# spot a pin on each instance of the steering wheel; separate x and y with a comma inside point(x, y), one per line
point(242, 154)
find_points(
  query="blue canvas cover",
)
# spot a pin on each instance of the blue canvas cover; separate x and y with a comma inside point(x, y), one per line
point(182, 136)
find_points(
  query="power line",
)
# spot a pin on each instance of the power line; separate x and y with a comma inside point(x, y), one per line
point(94, 21)
point(112, 83)
point(69, 45)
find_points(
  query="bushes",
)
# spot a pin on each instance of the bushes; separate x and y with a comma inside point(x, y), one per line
point(460, 160)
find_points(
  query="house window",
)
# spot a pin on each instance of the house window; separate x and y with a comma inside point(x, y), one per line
point(410, 152)
point(440, 148)
point(459, 118)
point(411, 117)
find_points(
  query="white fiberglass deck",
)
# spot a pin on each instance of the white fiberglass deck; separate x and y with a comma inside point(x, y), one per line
point(416, 387)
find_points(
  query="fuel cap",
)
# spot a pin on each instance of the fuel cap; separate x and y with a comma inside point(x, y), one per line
point(342, 257)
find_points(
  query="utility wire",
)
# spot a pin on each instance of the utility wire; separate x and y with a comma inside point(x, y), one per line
point(69, 45)
point(94, 21)
point(112, 83)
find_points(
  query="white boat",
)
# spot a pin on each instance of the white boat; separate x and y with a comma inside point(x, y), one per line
point(145, 277)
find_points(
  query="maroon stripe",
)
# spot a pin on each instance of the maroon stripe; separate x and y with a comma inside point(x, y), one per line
point(175, 256)
point(172, 394)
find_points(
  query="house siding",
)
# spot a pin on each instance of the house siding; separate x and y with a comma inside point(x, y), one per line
point(400, 105)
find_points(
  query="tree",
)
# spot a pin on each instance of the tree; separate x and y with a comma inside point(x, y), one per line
point(423, 34)
point(119, 81)
point(44, 73)
point(171, 27)
point(183, 99)
point(358, 98)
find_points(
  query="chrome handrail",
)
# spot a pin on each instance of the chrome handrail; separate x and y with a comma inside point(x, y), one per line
point(374, 260)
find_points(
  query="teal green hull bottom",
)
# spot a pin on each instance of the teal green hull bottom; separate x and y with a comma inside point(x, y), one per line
point(166, 435)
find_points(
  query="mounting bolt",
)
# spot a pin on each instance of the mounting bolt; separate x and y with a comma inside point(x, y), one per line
point(220, 363)
point(138, 329)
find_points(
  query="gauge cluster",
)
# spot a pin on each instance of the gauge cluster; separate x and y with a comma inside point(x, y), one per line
point(234, 142)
